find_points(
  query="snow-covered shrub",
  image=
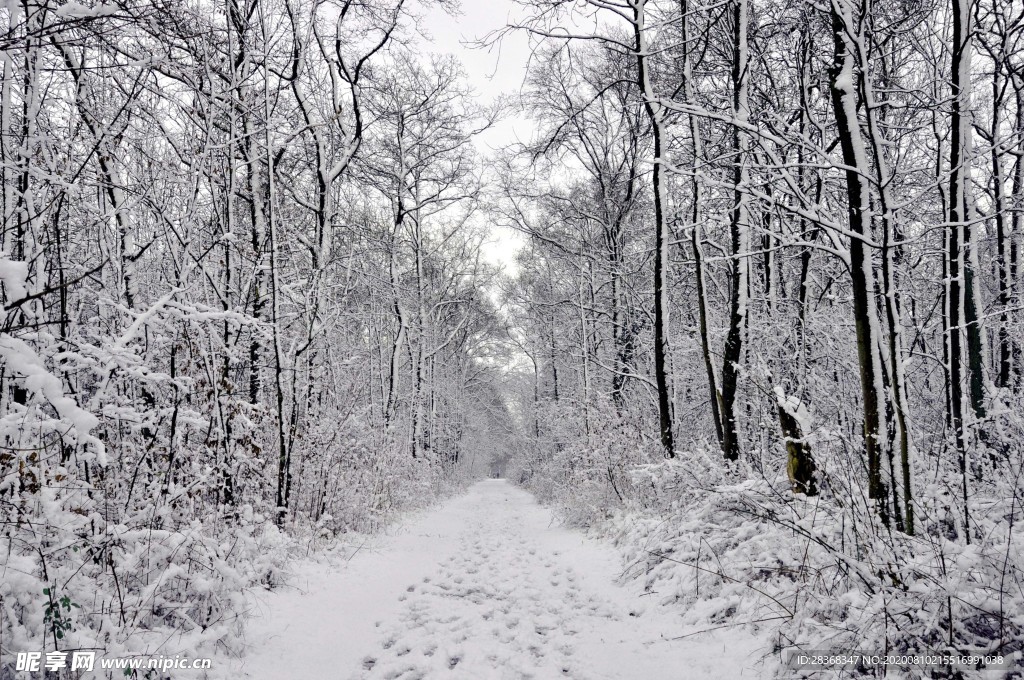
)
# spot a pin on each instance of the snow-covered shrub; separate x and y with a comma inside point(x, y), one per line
point(810, 575)
point(116, 535)
point(137, 485)
point(584, 467)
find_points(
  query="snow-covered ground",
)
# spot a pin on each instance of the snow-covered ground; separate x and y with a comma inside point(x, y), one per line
point(487, 586)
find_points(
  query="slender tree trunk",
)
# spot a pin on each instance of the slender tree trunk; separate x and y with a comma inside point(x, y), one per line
point(738, 235)
point(845, 101)
point(656, 116)
point(265, 209)
point(391, 405)
point(1017, 223)
point(1004, 358)
point(695, 217)
point(962, 294)
point(891, 235)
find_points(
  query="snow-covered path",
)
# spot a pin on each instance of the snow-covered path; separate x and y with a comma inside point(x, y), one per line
point(484, 587)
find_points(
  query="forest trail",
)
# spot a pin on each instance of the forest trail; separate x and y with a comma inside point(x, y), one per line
point(486, 586)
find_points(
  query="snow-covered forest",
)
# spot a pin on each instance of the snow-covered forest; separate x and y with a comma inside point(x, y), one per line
point(760, 325)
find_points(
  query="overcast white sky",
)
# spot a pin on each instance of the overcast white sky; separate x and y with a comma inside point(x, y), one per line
point(491, 73)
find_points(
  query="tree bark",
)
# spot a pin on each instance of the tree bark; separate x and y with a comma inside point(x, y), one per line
point(656, 116)
point(739, 236)
point(844, 94)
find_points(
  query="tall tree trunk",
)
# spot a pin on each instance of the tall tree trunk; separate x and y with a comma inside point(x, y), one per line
point(961, 251)
point(656, 115)
point(265, 201)
point(845, 101)
point(1017, 223)
point(738, 235)
point(960, 292)
point(695, 216)
point(898, 407)
point(1004, 354)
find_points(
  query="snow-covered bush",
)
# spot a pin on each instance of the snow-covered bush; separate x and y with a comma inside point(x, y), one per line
point(807, 574)
point(586, 474)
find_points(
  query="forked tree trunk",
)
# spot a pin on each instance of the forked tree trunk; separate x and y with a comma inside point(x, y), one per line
point(845, 101)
